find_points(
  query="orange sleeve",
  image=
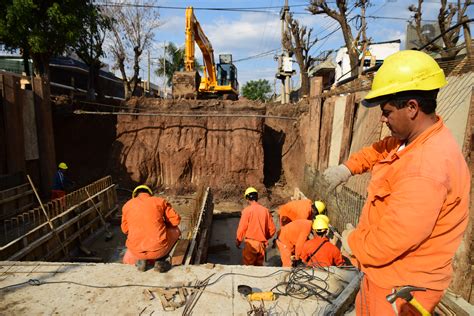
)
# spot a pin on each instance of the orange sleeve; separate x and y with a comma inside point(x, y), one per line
point(302, 238)
point(271, 226)
point(408, 219)
point(124, 224)
point(243, 225)
point(364, 159)
point(305, 251)
point(171, 216)
point(337, 259)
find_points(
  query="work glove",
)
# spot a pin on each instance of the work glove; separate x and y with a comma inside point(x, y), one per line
point(344, 239)
point(237, 244)
point(336, 175)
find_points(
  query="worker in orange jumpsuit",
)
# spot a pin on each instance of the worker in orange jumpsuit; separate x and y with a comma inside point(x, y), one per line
point(300, 209)
point(319, 252)
point(418, 197)
point(291, 240)
point(257, 227)
point(151, 226)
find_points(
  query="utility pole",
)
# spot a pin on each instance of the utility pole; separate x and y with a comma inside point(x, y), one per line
point(148, 82)
point(285, 67)
point(164, 68)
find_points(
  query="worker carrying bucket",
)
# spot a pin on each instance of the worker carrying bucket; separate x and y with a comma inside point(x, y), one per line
point(417, 206)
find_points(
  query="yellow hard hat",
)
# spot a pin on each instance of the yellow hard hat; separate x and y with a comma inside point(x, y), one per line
point(62, 165)
point(323, 217)
point(320, 224)
point(141, 187)
point(250, 190)
point(406, 70)
point(320, 206)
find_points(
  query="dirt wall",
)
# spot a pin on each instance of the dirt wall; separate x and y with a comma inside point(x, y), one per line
point(183, 144)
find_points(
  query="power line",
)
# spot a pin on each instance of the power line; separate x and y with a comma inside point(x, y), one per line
point(235, 9)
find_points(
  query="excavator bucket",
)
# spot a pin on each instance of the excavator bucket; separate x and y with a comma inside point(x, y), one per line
point(186, 84)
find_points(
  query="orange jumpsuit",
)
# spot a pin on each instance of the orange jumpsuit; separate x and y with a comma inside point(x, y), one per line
point(291, 240)
point(414, 217)
point(256, 225)
point(298, 209)
point(327, 254)
point(151, 225)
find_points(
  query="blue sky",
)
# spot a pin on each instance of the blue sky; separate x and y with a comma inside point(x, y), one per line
point(247, 34)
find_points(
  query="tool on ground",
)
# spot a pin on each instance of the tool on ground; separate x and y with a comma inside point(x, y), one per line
point(47, 217)
point(247, 291)
point(171, 299)
point(108, 234)
point(404, 292)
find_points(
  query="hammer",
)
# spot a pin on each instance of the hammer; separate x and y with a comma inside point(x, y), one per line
point(404, 292)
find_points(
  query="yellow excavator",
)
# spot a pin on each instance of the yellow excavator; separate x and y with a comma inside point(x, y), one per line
point(217, 81)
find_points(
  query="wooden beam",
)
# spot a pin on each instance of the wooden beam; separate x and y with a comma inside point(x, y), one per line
point(345, 298)
point(180, 252)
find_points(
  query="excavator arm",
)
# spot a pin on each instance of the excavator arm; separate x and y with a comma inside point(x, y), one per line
point(195, 34)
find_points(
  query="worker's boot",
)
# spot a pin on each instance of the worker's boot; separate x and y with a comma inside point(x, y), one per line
point(162, 265)
point(141, 265)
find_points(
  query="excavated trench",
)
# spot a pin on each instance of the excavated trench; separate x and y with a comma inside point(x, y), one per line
point(177, 148)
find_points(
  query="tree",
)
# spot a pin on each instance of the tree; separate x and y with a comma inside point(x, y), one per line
point(133, 25)
point(89, 47)
point(341, 14)
point(298, 41)
point(41, 29)
point(172, 62)
point(257, 90)
point(445, 17)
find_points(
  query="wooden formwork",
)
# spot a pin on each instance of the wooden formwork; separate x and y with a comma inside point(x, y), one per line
point(28, 236)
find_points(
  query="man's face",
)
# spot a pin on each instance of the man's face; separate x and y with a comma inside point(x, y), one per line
point(397, 120)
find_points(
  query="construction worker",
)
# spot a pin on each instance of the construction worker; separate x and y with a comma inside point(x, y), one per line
point(257, 227)
point(319, 252)
point(300, 209)
point(291, 240)
point(60, 182)
point(417, 206)
point(151, 226)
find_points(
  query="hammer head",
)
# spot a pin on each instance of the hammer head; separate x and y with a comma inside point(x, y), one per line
point(403, 292)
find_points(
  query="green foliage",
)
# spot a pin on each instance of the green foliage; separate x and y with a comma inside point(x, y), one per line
point(173, 61)
point(42, 28)
point(257, 89)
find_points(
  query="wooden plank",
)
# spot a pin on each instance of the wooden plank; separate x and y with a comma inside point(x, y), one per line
point(13, 120)
point(325, 134)
point(348, 125)
point(44, 122)
point(180, 252)
point(346, 298)
point(16, 197)
point(312, 153)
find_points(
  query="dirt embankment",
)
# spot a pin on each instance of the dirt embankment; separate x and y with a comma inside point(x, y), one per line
point(180, 145)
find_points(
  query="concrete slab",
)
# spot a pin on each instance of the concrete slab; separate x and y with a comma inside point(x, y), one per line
point(84, 288)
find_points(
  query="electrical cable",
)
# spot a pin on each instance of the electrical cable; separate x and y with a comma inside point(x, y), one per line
point(36, 282)
point(300, 285)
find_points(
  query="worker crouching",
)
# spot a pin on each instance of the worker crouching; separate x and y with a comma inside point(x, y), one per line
point(151, 226)
point(291, 240)
point(319, 252)
point(257, 227)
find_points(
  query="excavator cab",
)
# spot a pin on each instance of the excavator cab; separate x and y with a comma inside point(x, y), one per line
point(227, 72)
